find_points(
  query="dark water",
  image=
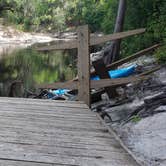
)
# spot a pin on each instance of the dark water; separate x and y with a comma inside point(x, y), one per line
point(26, 68)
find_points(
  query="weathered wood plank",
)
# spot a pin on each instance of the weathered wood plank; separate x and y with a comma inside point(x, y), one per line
point(73, 84)
point(45, 102)
point(56, 85)
point(7, 162)
point(136, 55)
point(57, 139)
point(132, 57)
point(35, 126)
point(151, 71)
point(65, 160)
point(48, 150)
point(6, 131)
point(14, 118)
point(46, 108)
point(83, 65)
point(59, 45)
point(116, 82)
point(49, 114)
point(115, 36)
point(95, 40)
point(38, 137)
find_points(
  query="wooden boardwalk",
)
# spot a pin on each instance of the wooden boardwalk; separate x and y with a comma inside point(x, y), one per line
point(51, 133)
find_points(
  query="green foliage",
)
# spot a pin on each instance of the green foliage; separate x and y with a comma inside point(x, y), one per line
point(57, 15)
point(37, 15)
point(149, 14)
point(161, 54)
point(135, 119)
point(33, 67)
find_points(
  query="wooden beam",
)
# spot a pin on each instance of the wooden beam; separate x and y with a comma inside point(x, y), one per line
point(74, 83)
point(83, 64)
point(151, 71)
point(116, 82)
point(94, 40)
point(105, 38)
point(58, 85)
point(129, 58)
point(134, 56)
point(59, 45)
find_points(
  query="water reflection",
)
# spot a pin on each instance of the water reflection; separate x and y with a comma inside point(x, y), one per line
point(28, 68)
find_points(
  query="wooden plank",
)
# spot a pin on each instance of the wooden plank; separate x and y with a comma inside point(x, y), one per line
point(50, 112)
point(28, 137)
point(115, 36)
point(95, 40)
point(59, 113)
point(73, 84)
point(36, 121)
point(57, 132)
point(60, 139)
point(134, 56)
point(38, 137)
point(59, 45)
point(68, 152)
point(121, 81)
point(8, 162)
point(83, 64)
point(82, 160)
point(68, 104)
point(116, 82)
point(102, 72)
point(114, 65)
point(151, 71)
point(58, 85)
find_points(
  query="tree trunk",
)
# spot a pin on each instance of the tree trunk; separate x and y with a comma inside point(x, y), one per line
point(111, 53)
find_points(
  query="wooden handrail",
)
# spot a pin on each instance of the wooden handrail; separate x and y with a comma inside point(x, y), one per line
point(134, 56)
point(105, 38)
point(58, 85)
point(100, 83)
point(94, 40)
point(83, 64)
point(83, 82)
point(116, 82)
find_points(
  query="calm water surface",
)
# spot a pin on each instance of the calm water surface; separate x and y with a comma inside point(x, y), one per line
point(28, 68)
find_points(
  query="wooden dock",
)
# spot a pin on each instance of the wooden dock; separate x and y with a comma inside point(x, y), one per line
point(55, 133)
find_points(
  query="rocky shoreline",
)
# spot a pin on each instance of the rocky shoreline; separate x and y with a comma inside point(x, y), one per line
point(139, 115)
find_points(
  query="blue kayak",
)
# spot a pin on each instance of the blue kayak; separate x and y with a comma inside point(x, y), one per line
point(123, 72)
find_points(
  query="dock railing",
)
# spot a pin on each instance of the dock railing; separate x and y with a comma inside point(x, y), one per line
point(82, 43)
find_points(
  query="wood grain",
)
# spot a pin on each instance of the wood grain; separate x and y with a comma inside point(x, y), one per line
point(33, 134)
point(83, 65)
point(94, 40)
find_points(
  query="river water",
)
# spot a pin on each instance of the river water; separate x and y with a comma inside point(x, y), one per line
point(25, 68)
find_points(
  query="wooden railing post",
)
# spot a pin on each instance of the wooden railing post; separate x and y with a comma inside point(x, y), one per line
point(83, 64)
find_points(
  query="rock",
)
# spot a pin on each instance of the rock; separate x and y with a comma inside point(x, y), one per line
point(161, 109)
point(147, 138)
point(153, 98)
point(120, 113)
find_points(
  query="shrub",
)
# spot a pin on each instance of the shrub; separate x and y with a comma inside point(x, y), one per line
point(161, 54)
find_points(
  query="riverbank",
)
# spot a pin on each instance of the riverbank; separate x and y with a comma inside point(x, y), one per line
point(139, 118)
point(11, 39)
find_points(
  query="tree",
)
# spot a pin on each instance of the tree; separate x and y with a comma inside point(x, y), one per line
point(6, 5)
point(112, 52)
